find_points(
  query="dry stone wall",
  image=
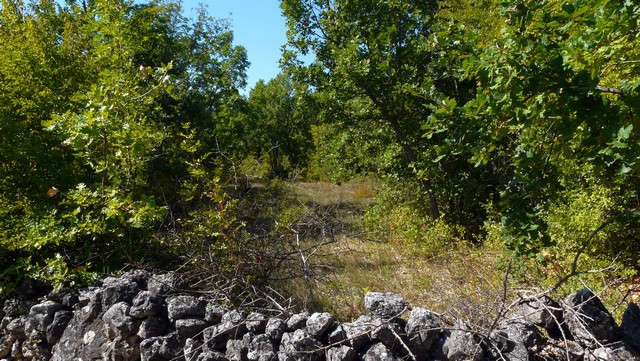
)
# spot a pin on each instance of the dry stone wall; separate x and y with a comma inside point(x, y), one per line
point(139, 316)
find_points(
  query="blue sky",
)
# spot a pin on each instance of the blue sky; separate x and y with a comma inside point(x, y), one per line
point(257, 25)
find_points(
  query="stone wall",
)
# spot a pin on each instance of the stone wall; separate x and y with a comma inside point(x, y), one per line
point(139, 316)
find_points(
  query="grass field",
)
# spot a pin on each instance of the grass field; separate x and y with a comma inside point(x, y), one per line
point(460, 280)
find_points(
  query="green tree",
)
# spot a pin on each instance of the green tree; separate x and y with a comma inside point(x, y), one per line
point(97, 101)
point(381, 69)
point(556, 105)
point(280, 126)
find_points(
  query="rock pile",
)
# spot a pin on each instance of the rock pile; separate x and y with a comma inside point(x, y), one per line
point(138, 317)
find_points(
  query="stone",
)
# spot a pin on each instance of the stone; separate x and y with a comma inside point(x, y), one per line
point(299, 345)
point(261, 348)
point(56, 328)
point(189, 327)
point(559, 350)
point(179, 307)
point(588, 320)
point(163, 284)
point(213, 314)
point(256, 323)
point(6, 341)
point(15, 307)
point(515, 337)
point(341, 353)
point(214, 340)
point(613, 352)
point(542, 312)
point(389, 334)
point(337, 334)
point(319, 323)
point(160, 348)
point(118, 321)
point(359, 332)
point(212, 356)
point(236, 350)
point(297, 321)
point(40, 317)
point(385, 304)
point(379, 352)
point(192, 349)
point(275, 328)
point(630, 326)
point(423, 329)
point(116, 290)
point(152, 327)
point(145, 304)
point(68, 297)
point(462, 344)
point(16, 327)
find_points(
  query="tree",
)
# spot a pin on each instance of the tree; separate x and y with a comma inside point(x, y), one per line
point(552, 112)
point(280, 126)
point(382, 68)
point(95, 98)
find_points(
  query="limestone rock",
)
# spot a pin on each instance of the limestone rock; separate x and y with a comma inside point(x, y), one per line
point(319, 323)
point(588, 320)
point(385, 305)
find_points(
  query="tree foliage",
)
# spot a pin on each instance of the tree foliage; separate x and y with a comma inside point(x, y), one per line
point(99, 99)
point(513, 111)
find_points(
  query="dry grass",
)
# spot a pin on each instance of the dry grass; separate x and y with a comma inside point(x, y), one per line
point(461, 280)
point(326, 193)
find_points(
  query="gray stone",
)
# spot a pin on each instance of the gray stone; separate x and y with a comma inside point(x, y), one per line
point(337, 334)
point(160, 348)
point(145, 304)
point(189, 327)
point(390, 334)
point(614, 352)
point(297, 321)
point(6, 341)
point(423, 329)
point(359, 332)
point(213, 314)
point(214, 340)
point(192, 349)
point(65, 296)
point(256, 323)
point(385, 304)
point(84, 336)
point(120, 350)
point(340, 353)
point(630, 326)
point(542, 312)
point(116, 290)
point(559, 350)
point(299, 345)
point(152, 327)
point(588, 320)
point(15, 307)
point(40, 317)
point(275, 328)
point(163, 284)
point(212, 356)
point(179, 307)
point(462, 344)
point(236, 350)
point(118, 321)
point(56, 328)
point(379, 352)
point(515, 337)
point(261, 348)
point(16, 327)
point(319, 323)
